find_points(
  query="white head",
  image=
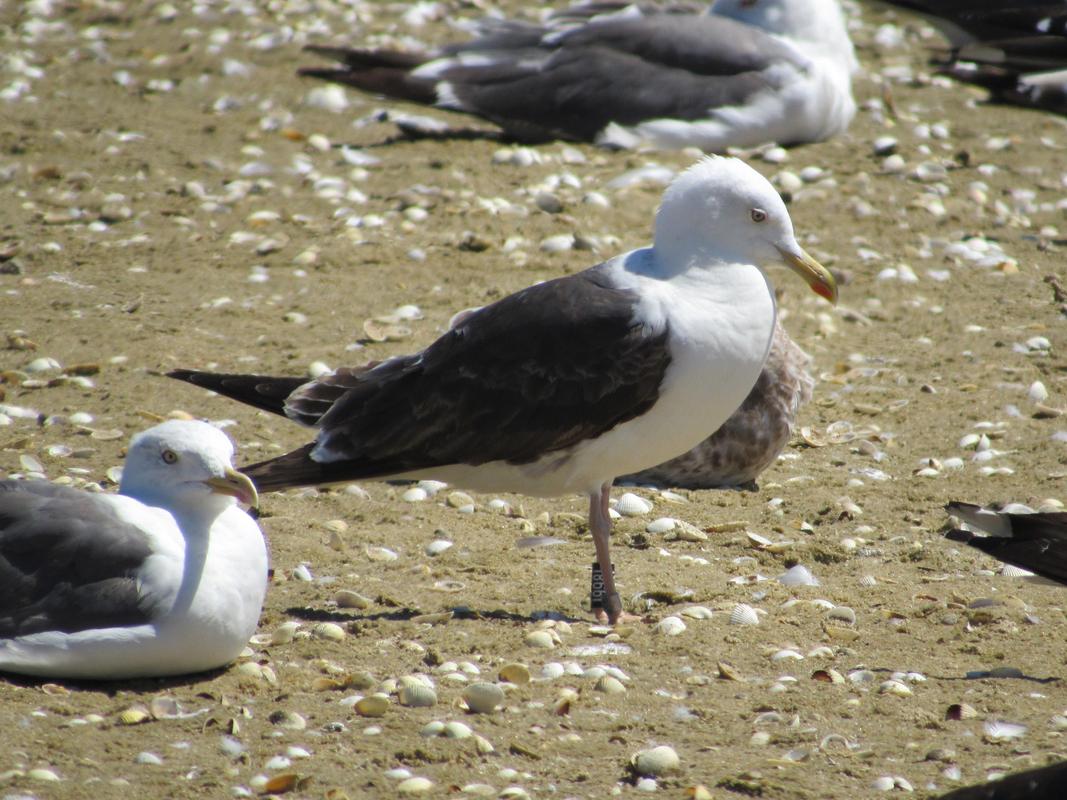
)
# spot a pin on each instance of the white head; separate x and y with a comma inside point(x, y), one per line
point(720, 210)
point(184, 464)
point(818, 22)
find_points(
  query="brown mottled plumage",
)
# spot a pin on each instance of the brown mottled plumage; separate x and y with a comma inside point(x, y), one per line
point(751, 439)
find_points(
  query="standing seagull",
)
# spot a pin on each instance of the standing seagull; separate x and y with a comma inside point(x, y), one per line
point(564, 385)
point(167, 577)
point(1034, 541)
point(743, 73)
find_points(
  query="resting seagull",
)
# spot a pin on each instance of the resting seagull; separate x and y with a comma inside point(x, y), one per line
point(166, 577)
point(1034, 541)
point(740, 74)
point(1017, 50)
point(564, 385)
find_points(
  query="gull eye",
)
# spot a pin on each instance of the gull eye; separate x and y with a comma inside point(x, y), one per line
point(758, 215)
point(169, 456)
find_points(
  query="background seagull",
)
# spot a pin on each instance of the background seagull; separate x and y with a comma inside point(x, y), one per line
point(1016, 49)
point(166, 577)
point(564, 385)
point(743, 73)
point(1034, 541)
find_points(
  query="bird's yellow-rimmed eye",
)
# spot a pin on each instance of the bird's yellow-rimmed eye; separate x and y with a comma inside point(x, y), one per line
point(758, 215)
point(169, 456)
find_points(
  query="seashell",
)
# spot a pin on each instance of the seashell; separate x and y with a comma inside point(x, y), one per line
point(894, 687)
point(552, 670)
point(519, 674)
point(437, 546)
point(542, 639)
point(164, 707)
point(134, 715)
point(828, 676)
point(147, 758)
point(483, 698)
point(328, 630)
point(429, 730)
point(609, 684)
point(289, 720)
point(381, 554)
point(346, 598)
point(380, 331)
point(374, 705)
point(414, 785)
point(417, 696)
point(798, 575)
point(743, 614)
point(842, 614)
point(658, 761)
point(416, 494)
point(457, 730)
point(696, 612)
point(686, 532)
point(42, 774)
point(788, 654)
point(284, 633)
point(958, 711)
point(459, 500)
point(661, 525)
point(1000, 731)
point(631, 505)
point(670, 626)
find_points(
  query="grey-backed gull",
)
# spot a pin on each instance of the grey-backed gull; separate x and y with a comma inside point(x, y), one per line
point(164, 578)
point(1017, 50)
point(1017, 535)
point(564, 385)
point(740, 74)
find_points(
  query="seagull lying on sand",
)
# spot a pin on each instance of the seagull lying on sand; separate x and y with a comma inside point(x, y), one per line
point(1034, 541)
point(564, 385)
point(740, 74)
point(1017, 50)
point(164, 578)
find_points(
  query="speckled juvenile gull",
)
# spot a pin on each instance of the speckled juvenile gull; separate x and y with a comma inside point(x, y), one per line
point(564, 385)
point(739, 74)
point(751, 439)
point(164, 578)
point(1017, 50)
point(1017, 535)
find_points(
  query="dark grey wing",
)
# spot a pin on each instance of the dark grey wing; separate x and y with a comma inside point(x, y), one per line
point(1036, 542)
point(67, 562)
point(624, 71)
point(534, 373)
point(1003, 47)
point(1043, 783)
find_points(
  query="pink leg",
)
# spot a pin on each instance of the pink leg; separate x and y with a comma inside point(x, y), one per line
point(600, 527)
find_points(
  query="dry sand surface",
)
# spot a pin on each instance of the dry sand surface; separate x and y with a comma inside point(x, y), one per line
point(169, 197)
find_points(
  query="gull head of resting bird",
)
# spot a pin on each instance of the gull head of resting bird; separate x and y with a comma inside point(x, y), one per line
point(184, 464)
point(721, 211)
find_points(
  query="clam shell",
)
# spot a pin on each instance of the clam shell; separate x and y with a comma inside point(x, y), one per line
point(457, 730)
point(346, 598)
point(541, 639)
point(670, 626)
point(609, 684)
point(657, 761)
point(414, 785)
point(374, 705)
point(417, 696)
point(519, 674)
point(483, 698)
point(329, 630)
point(743, 614)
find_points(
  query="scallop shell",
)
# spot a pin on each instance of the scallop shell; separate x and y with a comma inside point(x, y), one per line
point(842, 614)
point(631, 505)
point(658, 761)
point(1000, 731)
point(483, 698)
point(417, 696)
point(743, 614)
point(609, 684)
